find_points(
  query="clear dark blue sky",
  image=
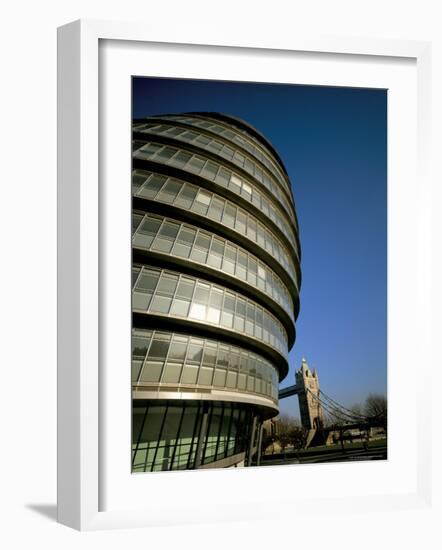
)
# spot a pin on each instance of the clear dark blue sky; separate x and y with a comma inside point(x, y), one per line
point(333, 142)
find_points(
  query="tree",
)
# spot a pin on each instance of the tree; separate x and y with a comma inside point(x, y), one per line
point(289, 432)
point(357, 410)
point(376, 408)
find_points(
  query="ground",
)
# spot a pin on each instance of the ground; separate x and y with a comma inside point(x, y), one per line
point(376, 450)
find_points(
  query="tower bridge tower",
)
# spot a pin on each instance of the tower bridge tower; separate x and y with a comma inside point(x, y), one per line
point(307, 384)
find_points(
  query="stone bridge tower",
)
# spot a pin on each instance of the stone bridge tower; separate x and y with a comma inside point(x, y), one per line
point(307, 383)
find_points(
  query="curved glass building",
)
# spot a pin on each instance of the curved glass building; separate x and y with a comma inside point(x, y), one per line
point(216, 277)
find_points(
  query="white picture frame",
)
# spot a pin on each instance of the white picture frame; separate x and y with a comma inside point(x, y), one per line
point(82, 399)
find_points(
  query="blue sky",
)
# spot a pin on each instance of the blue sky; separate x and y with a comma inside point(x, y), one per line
point(333, 142)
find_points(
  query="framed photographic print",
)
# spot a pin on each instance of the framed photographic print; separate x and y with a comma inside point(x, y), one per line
point(241, 274)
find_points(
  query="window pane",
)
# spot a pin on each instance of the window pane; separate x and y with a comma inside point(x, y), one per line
point(198, 311)
point(195, 352)
point(167, 284)
point(165, 154)
point(177, 350)
point(210, 170)
point(185, 288)
point(160, 304)
point(158, 349)
point(201, 293)
point(151, 371)
point(169, 230)
point(151, 187)
point(169, 192)
point(190, 373)
point(147, 281)
point(180, 159)
point(171, 373)
point(216, 209)
point(196, 164)
point(141, 300)
point(229, 215)
point(186, 196)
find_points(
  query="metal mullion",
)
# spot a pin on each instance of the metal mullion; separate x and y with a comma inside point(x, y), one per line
point(185, 356)
point(147, 353)
point(232, 409)
point(159, 437)
point(167, 354)
point(219, 430)
point(139, 437)
point(138, 276)
point(198, 418)
point(243, 429)
point(178, 435)
point(209, 424)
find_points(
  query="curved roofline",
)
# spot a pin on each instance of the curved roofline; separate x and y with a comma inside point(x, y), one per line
point(245, 126)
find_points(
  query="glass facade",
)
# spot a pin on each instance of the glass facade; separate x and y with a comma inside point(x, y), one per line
point(165, 435)
point(176, 359)
point(231, 153)
point(235, 135)
point(215, 172)
point(215, 290)
point(168, 236)
point(170, 293)
point(195, 199)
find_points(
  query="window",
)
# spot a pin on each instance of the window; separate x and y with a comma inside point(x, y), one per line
point(198, 311)
point(201, 247)
point(227, 152)
point(229, 259)
point(138, 179)
point(251, 229)
point(180, 308)
point(216, 208)
point(232, 375)
point(165, 237)
point(150, 149)
point(235, 183)
point(202, 201)
point(146, 232)
point(159, 348)
point(147, 282)
point(241, 266)
point(251, 275)
point(215, 302)
point(223, 177)
point(174, 131)
point(210, 170)
point(202, 140)
point(250, 321)
point(201, 295)
point(169, 192)
point(195, 351)
point(187, 196)
point(241, 222)
point(216, 253)
point(229, 215)
point(184, 242)
point(228, 310)
point(177, 351)
point(196, 164)
point(185, 288)
point(215, 146)
point(167, 284)
point(165, 154)
point(152, 186)
point(246, 189)
point(181, 159)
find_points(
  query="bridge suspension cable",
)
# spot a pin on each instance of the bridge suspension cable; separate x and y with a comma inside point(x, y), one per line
point(343, 409)
point(337, 411)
